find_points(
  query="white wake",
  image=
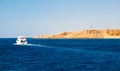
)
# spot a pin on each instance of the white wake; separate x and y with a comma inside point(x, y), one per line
point(28, 44)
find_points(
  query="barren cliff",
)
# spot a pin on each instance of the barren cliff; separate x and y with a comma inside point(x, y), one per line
point(114, 33)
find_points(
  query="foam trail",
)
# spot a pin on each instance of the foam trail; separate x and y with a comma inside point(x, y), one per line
point(29, 44)
point(36, 45)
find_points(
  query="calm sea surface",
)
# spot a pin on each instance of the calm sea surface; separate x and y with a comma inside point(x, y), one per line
point(60, 55)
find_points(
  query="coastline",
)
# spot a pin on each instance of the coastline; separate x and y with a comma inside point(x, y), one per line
point(85, 34)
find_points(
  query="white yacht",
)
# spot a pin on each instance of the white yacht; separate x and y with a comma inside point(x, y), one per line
point(21, 40)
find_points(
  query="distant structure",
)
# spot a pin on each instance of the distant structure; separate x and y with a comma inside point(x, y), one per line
point(91, 28)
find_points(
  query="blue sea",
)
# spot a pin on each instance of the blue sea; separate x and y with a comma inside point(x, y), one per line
point(60, 55)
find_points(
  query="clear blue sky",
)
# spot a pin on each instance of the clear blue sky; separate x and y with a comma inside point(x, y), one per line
point(38, 17)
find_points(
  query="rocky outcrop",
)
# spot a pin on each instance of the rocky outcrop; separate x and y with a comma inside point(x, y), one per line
point(115, 33)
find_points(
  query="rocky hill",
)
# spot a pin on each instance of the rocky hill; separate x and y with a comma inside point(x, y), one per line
point(114, 33)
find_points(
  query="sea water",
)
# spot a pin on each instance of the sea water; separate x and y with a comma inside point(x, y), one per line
point(60, 55)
